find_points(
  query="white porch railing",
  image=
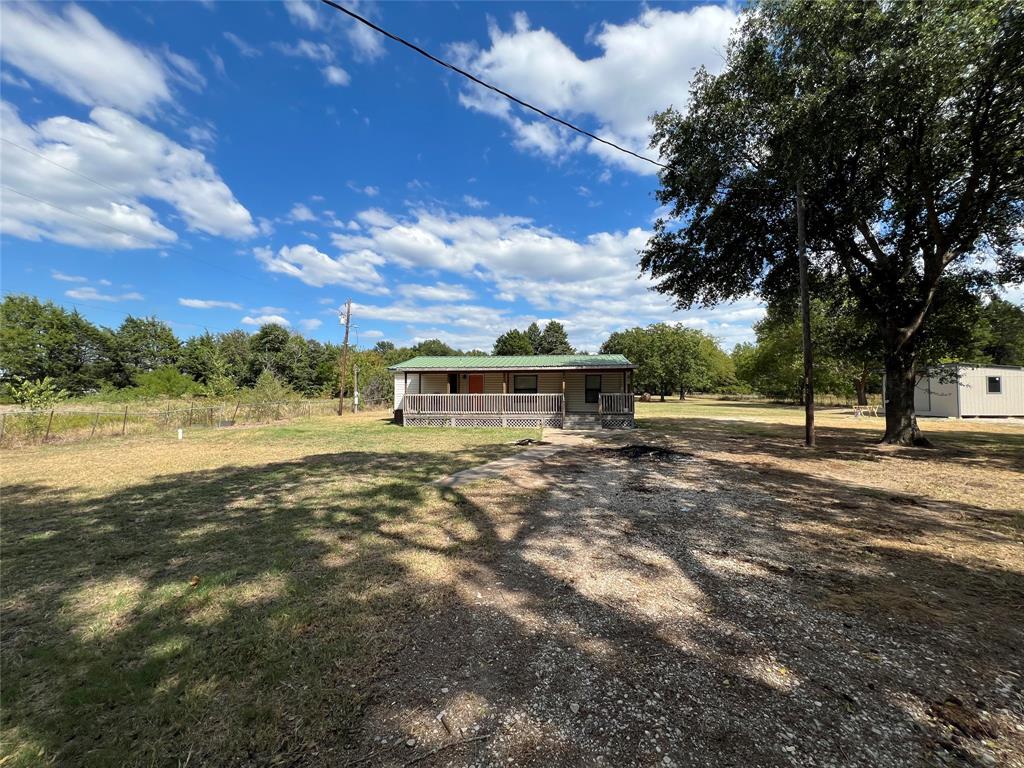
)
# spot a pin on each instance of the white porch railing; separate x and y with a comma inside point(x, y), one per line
point(446, 405)
point(616, 403)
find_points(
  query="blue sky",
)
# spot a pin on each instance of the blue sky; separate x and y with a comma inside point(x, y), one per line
point(220, 165)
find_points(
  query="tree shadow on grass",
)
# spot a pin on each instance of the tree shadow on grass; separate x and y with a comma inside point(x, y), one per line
point(955, 447)
point(717, 629)
point(299, 611)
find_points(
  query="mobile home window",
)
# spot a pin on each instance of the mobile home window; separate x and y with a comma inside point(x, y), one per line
point(995, 385)
point(593, 385)
point(524, 385)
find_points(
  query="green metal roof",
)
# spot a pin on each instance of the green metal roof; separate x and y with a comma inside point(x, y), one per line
point(505, 362)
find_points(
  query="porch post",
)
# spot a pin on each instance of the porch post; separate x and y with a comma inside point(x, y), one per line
point(563, 399)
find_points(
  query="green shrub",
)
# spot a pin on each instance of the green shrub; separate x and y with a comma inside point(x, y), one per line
point(166, 382)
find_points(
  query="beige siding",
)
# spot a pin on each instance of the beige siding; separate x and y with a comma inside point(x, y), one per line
point(575, 390)
point(492, 382)
point(975, 399)
point(434, 383)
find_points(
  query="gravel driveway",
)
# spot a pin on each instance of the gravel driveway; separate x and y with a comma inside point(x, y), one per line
point(695, 607)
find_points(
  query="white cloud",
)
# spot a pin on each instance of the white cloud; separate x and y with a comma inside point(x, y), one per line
point(474, 202)
point(438, 292)
point(11, 79)
point(202, 135)
point(368, 190)
point(336, 75)
point(301, 212)
point(243, 47)
point(310, 323)
point(91, 294)
point(313, 267)
point(265, 320)
point(115, 163)
point(306, 49)
point(644, 66)
point(68, 278)
point(325, 300)
point(269, 310)
point(185, 71)
point(303, 13)
point(209, 304)
point(76, 55)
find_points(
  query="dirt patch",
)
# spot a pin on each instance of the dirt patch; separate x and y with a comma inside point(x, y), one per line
point(688, 605)
point(643, 452)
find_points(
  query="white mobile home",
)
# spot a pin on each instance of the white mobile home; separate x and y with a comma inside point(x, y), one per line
point(960, 390)
point(515, 391)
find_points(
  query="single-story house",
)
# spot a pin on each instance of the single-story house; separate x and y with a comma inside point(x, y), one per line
point(568, 391)
point(962, 390)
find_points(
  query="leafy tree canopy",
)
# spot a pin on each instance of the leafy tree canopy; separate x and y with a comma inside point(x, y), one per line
point(902, 123)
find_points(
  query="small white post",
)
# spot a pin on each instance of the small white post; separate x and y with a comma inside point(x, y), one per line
point(181, 434)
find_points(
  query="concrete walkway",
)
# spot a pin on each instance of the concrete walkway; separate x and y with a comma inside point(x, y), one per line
point(556, 440)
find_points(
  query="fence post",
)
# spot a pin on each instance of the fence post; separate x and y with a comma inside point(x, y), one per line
point(233, 415)
point(48, 423)
point(3, 426)
point(94, 423)
point(191, 406)
point(124, 423)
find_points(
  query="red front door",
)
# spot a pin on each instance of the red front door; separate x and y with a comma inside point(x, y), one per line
point(476, 383)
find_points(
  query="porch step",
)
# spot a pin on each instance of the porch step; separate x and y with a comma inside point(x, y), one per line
point(581, 421)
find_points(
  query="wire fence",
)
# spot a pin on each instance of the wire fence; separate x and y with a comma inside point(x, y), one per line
point(61, 425)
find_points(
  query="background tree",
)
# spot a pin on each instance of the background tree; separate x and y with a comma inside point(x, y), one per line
point(672, 358)
point(533, 333)
point(553, 340)
point(269, 352)
point(1004, 342)
point(434, 348)
point(513, 342)
point(901, 121)
point(140, 344)
point(42, 340)
point(234, 348)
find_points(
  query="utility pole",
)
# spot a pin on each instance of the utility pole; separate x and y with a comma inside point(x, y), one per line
point(343, 364)
point(805, 319)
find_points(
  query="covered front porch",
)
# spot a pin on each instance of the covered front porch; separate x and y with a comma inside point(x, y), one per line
point(577, 391)
point(614, 411)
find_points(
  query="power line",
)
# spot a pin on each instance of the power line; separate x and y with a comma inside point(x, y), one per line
point(68, 211)
point(480, 82)
point(64, 167)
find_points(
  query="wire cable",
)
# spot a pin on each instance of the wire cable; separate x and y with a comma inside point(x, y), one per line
point(64, 167)
point(484, 84)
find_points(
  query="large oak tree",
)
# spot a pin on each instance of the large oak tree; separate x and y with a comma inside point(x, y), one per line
point(902, 121)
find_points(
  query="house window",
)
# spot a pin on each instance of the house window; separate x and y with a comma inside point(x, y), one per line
point(524, 385)
point(995, 385)
point(593, 386)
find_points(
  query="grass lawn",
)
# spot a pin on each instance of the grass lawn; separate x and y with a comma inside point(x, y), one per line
point(297, 594)
point(226, 596)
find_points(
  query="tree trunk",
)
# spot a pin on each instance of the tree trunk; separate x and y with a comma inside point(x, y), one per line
point(900, 420)
point(861, 385)
point(682, 393)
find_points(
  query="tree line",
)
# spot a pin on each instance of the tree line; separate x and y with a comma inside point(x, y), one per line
point(143, 357)
point(849, 353)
